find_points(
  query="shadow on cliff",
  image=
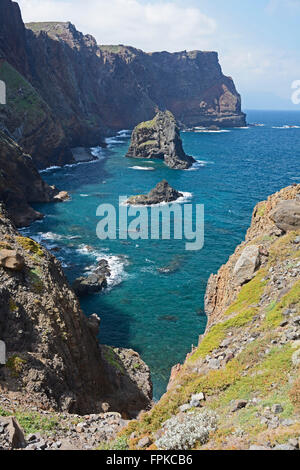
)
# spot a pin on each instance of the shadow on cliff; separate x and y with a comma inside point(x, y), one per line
point(115, 322)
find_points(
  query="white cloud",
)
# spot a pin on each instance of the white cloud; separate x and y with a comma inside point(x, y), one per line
point(149, 26)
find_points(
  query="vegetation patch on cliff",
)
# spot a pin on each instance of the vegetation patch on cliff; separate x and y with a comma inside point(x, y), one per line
point(30, 245)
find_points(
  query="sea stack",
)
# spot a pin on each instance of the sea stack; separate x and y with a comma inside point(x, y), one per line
point(160, 138)
point(162, 192)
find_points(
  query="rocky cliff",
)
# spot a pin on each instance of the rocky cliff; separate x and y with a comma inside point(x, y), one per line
point(239, 388)
point(54, 361)
point(66, 91)
point(21, 184)
point(160, 138)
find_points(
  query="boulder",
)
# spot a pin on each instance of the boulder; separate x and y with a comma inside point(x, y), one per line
point(144, 442)
point(296, 358)
point(277, 409)
point(11, 259)
point(62, 196)
point(238, 405)
point(247, 264)
point(286, 215)
point(197, 399)
point(160, 138)
point(11, 434)
point(162, 192)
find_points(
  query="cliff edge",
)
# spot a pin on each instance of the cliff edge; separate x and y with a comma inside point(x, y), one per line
point(239, 388)
point(54, 360)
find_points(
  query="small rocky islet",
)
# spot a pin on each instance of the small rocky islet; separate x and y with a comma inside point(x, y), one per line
point(93, 282)
point(160, 138)
point(162, 193)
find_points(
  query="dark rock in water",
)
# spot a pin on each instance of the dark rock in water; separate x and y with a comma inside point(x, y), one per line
point(170, 318)
point(162, 192)
point(286, 215)
point(201, 312)
point(91, 284)
point(82, 154)
point(95, 282)
point(160, 138)
point(103, 268)
point(173, 266)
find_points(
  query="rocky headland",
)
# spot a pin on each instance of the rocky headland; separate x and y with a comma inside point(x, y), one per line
point(160, 138)
point(239, 388)
point(21, 184)
point(162, 192)
point(97, 90)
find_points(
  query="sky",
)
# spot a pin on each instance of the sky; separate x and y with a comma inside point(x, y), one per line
point(258, 41)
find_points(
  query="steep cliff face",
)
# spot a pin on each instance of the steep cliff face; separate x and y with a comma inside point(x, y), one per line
point(27, 117)
point(54, 358)
point(66, 91)
point(240, 386)
point(20, 183)
point(160, 138)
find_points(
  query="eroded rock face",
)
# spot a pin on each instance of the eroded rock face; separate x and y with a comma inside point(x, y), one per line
point(162, 192)
point(160, 138)
point(54, 357)
point(270, 219)
point(21, 184)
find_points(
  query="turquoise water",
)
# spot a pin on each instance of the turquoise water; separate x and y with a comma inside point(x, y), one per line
point(161, 315)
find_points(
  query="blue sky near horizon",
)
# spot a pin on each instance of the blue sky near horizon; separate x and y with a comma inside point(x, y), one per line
point(257, 40)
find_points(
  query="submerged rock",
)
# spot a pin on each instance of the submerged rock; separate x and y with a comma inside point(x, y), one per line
point(160, 138)
point(162, 192)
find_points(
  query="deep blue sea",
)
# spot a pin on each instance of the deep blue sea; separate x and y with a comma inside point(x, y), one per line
point(160, 315)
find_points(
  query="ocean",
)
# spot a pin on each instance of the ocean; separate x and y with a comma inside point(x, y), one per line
point(155, 297)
